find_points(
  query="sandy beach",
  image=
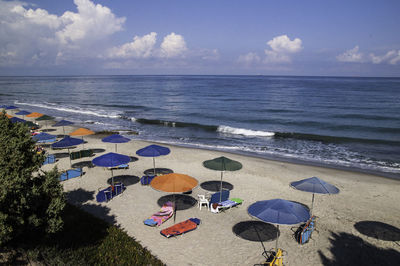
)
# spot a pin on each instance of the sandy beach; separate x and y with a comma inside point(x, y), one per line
point(228, 238)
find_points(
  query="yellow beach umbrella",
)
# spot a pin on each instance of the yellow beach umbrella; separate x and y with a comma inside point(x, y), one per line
point(80, 132)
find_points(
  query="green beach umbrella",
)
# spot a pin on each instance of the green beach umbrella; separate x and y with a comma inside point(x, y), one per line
point(45, 118)
point(222, 164)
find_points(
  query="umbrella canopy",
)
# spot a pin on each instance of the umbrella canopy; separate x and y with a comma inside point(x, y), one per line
point(279, 211)
point(44, 118)
point(62, 124)
point(67, 142)
point(81, 132)
point(116, 138)
point(43, 136)
point(174, 183)
point(8, 116)
point(16, 119)
point(11, 107)
point(34, 115)
point(153, 151)
point(314, 185)
point(23, 112)
point(111, 159)
point(222, 164)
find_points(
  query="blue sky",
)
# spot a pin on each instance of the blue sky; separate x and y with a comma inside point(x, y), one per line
point(266, 37)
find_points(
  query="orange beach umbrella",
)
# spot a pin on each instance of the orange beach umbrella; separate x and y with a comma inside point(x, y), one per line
point(80, 132)
point(174, 183)
point(9, 116)
point(35, 115)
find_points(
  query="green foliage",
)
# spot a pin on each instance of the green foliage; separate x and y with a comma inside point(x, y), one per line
point(84, 240)
point(30, 202)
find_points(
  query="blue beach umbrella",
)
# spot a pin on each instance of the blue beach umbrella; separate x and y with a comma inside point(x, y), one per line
point(67, 142)
point(63, 123)
point(16, 119)
point(111, 159)
point(23, 113)
point(11, 107)
point(153, 151)
point(43, 136)
point(279, 212)
point(314, 185)
point(116, 138)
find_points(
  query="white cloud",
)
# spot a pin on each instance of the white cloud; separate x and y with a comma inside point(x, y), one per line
point(281, 47)
point(392, 57)
point(249, 58)
point(141, 47)
point(351, 55)
point(33, 36)
point(173, 45)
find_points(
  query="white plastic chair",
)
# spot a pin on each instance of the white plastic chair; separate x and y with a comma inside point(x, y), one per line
point(203, 200)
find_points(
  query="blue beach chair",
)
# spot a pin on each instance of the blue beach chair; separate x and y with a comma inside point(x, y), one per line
point(110, 192)
point(146, 179)
point(71, 173)
point(303, 233)
point(50, 159)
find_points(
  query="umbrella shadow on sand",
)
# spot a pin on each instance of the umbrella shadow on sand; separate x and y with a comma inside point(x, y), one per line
point(98, 150)
point(61, 155)
point(255, 231)
point(127, 180)
point(83, 164)
point(159, 171)
point(183, 202)
point(215, 185)
point(378, 230)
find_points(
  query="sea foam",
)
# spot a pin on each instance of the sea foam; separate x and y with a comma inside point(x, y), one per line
point(244, 132)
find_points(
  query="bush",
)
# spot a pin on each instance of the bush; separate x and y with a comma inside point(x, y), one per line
point(30, 202)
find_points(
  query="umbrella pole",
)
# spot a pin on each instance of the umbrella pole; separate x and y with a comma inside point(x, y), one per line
point(69, 155)
point(112, 177)
point(174, 208)
point(83, 143)
point(154, 166)
point(312, 204)
point(277, 237)
point(220, 194)
point(63, 131)
point(115, 147)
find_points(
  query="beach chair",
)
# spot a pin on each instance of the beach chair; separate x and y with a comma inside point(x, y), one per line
point(166, 212)
point(181, 228)
point(47, 140)
point(51, 158)
point(146, 179)
point(71, 173)
point(303, 233)
point(274, 258)
point(224, 205)
point(217, 197)
point(110, 192)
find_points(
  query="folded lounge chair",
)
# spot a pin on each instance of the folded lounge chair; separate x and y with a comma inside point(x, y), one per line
point(51, 158)
point(166, 212)
point(303, 233)
point(110, 192)
point(80, 154)
point(146, 179)
point(71, 173)
point(181, 228)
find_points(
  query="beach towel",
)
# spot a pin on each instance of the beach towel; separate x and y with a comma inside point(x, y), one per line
point(226, 204)
point(166, 212)
point(181, 228)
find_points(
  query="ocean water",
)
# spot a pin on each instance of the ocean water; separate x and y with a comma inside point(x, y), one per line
point(332, 121)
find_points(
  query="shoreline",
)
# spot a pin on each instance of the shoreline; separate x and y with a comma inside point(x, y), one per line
point(362, 198)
